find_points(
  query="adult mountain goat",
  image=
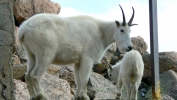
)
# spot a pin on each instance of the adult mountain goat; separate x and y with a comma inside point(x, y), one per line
point(128, 72)
point(81, 40)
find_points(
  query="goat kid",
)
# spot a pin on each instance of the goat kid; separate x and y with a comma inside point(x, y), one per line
point(128, 72)
point(82, 40)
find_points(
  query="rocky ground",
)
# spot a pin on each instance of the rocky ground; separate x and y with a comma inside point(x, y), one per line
point(58, 81)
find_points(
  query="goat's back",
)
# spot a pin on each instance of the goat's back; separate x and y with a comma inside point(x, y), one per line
point(67, 38)
point(132, 64)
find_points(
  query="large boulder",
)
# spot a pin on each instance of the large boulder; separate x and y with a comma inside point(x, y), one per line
point(19, 71)
point(55, 88)
point(166, 97)
point(53, 70)
point(139, 44)
point(103, 88)
point(18, 49)
point(167, 61)
point(168, 84)
point(15, 60)
point(108, 56)
point(67, 73)
point(16, 40)
point(20, 90)
point(113, 55)
point(23, 9)
point(98, 86)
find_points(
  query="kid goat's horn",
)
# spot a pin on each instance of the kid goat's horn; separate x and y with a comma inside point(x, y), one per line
point(124, 21)
point(110, 66)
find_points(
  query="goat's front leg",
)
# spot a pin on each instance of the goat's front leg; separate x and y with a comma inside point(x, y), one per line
point(77, 79)
point(119, 87)
point(86, 65)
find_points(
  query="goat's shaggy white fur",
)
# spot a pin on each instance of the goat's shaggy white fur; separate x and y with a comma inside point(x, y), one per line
point(81, 40)
point(129, 72)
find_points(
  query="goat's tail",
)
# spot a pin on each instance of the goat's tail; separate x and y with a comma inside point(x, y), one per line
point(20, 36)
point(136, 68)
point(135, 72)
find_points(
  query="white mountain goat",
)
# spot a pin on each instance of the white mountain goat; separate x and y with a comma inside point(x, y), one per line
point(129, 72)
point(82, 40)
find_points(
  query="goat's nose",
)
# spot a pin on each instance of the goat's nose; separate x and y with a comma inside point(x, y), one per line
point(130, 47)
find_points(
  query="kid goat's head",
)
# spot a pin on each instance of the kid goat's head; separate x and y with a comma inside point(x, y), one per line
point(113, 73)
point(122, 33)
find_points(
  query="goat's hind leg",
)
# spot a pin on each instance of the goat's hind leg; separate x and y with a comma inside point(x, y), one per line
point(129, 87)
point(42, 63)
point(28, 81)
point(30, 68)
point(134, 91)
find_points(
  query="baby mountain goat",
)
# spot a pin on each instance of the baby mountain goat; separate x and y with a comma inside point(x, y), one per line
point(129, 72)
point(82, 40)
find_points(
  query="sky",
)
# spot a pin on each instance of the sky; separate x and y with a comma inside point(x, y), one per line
point(110, 10)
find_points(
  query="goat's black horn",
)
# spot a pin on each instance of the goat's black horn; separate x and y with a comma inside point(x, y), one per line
point(131, 19)
point(124, 21)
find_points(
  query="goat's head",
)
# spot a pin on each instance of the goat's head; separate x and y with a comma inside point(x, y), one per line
point(113, 74)
point(122, 33)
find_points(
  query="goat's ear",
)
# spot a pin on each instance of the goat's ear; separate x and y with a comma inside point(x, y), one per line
point(133, 24)
point(110, 67)
point(117, 23)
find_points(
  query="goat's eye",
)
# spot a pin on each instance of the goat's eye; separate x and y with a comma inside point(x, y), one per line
point(110, 75)
point(122, 30)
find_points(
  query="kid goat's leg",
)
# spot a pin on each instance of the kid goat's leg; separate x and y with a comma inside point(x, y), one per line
point(85, 71)
point(128, 85)
point(135, 90)
point(119, 87)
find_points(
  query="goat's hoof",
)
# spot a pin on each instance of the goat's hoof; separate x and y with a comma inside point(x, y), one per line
point(85, 97)
point(32, 98)
point(77, 98)
point(40, 97)
point(118, 96)
point(82, 98)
